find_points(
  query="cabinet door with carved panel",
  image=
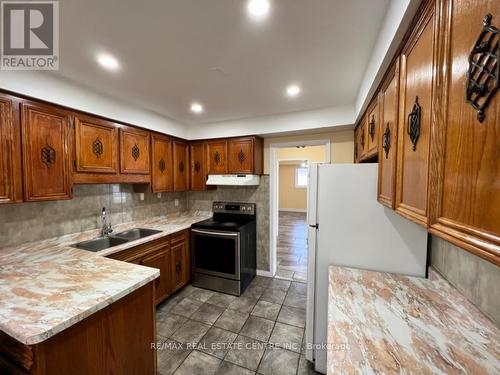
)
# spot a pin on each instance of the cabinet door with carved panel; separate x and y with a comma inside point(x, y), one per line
point(241, 155)
point(217, 157)
point(96, 145)
point(198, 170)
point(465, 168)
point(362, 141)
point(179, 258)
point(181, 159)
point(46, 156)
point(10, 173)
point(134, 151)
point(417, 85)
point(162, 175)
point(372, 129)
point(388, 133)
point(161, 260)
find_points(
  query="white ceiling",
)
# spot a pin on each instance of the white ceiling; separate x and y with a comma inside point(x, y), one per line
point(176, 51)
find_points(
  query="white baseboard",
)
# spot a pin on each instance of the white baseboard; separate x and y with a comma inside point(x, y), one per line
point(293, 209)
point(264, 273)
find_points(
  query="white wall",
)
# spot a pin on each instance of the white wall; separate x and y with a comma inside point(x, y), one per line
point(397, 20)
point(306, 120)
point(64, 92)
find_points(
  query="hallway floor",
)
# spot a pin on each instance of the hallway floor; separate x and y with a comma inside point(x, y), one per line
point(292, 246)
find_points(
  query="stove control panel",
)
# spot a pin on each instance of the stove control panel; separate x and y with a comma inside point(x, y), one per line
point(235, 208)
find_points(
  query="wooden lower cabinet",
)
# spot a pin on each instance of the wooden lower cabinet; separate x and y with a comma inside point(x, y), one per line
point(114, 340)
point(169, 254)
point(387, 137)
point(417, 86)
point(465, 167)
point(46, 154)
point(180, 265)
point(161, 260)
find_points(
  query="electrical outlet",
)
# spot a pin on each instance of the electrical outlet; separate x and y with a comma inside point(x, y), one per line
point(141, 196)
point(158, 195)
point(176, 203)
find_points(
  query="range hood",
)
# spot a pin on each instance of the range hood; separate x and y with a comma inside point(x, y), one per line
point(233, 179)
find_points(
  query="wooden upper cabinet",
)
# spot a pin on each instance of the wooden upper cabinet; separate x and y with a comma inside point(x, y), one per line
point(417, 84)
point(46, 158)
point(372, 125)
point(134, 151)
point(241, 155)
point(387, 136)
point(465, 173)
point(217, 157)
point(198, 168)
point(162, 169)
point(362, 142)
point(96, 144)
point(181, 164)
point(9, 175)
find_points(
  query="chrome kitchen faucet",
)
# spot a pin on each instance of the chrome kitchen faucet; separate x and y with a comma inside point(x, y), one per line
point(106, 227)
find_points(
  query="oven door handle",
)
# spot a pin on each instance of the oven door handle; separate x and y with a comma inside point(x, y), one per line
point(224, 234)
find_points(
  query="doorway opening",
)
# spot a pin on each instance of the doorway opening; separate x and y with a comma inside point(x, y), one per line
point(289, 164)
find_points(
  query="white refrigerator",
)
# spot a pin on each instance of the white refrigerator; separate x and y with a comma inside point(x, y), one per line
point(348, 227)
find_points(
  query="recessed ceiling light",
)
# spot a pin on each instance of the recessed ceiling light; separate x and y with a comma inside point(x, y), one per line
point(293, 90)
point(107, 61)
point(196, 108)
point(258, 8)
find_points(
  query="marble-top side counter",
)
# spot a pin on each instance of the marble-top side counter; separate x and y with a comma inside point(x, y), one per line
point(48, 286)
point(392, 324)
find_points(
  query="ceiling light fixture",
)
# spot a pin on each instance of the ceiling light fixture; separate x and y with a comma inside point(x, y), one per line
point(196, 108)
point(107, 61)
point(293, 90)
point(258, 8)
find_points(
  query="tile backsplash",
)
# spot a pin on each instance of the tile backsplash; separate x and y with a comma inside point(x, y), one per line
point(32, 221)
point(477, 279)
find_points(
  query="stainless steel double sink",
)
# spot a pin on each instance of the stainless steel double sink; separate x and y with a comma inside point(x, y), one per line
point(120, 238)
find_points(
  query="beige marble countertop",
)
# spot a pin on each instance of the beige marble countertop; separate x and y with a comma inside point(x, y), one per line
point(381, 323)
point(47, 286)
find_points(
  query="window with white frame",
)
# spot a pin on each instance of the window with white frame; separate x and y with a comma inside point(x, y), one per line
point(301, 177)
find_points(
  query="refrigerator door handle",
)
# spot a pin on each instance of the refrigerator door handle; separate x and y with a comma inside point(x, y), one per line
point(314, 226)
